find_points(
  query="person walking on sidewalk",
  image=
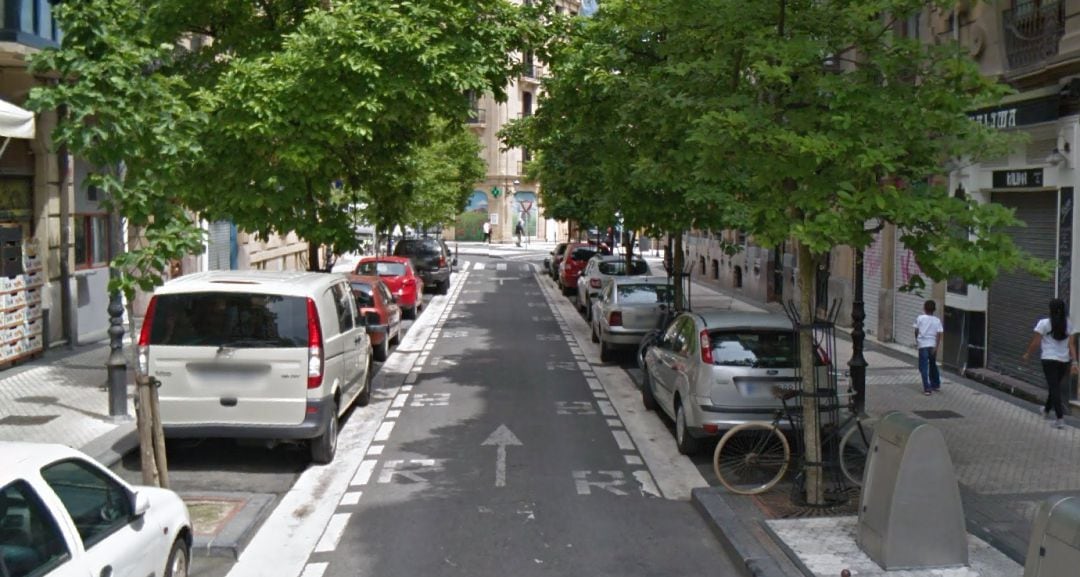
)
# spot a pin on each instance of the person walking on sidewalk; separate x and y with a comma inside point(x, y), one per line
point(487, 231)
point(1058, 353)
point(928, 332)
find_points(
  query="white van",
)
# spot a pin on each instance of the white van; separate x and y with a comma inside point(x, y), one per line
point(257, 355)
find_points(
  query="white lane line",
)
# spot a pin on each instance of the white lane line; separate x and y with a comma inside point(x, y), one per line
point(399, 401)
point(594, 384)
point(479, 266)
point(585, 367)
point(634, 460)
point(406, 389)
point(383, 434)
point(363, 472)
point(466, 265)
point(606, 409)
point(314, 569)
point(623, 440)
point(332, 535)
point(599, 394)
point(411, 378)
point(393, 413)
point(351, 498)
point(614, 423)
point(375, 450)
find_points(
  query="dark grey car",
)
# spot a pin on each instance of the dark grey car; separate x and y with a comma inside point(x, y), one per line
point(432, 260)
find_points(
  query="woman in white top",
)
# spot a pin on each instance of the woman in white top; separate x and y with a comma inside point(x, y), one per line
point(1058, 353)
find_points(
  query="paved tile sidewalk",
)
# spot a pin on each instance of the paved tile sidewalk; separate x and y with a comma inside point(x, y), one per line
point(60, 398)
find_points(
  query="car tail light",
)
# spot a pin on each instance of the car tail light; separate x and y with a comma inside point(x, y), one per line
point(706, 348)
point(315, 350)
point(615, 319)
point(442, 262)
point(594, 283)
point(143, 367)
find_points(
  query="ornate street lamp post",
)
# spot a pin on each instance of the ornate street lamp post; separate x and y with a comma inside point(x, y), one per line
point(117, 363)
point(857, 364)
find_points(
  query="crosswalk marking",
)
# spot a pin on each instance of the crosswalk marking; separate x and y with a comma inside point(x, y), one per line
point(479, 266)
point(500, 266)
point(465, 266)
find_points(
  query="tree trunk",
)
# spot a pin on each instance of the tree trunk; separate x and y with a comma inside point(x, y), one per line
point(151, 437)
point(815, 486)
point(677, 271)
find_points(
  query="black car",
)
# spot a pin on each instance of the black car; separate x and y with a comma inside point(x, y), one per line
point(431, 258)
point(551, 264)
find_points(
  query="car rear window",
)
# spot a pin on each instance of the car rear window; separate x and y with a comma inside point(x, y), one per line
point(645, 294)
point(756, 349)
point(583, 253)
point(382, 268)
point(410, 247)
point(618, 268)
point(229, 319)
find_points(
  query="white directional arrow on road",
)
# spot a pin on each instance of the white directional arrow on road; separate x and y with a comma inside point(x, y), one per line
point(501, 438)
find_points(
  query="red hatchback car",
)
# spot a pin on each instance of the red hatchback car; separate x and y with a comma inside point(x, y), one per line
point(372, 296)
point(400, 277)
point(575, 258)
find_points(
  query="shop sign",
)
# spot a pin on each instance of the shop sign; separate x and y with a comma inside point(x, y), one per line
point(1024, 178)
point(1019, 113)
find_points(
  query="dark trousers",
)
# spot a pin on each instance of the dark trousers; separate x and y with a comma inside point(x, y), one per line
point(1057, 378)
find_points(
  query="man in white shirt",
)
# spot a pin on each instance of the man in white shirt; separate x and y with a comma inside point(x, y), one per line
point(928, 332)
point(487, 231)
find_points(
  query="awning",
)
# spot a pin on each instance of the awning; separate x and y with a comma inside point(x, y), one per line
point(15, 122)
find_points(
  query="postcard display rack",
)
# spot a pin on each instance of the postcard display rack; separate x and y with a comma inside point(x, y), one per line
point(21, 283)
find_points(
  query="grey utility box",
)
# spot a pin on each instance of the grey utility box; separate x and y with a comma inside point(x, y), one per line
point(910, 515)
point(1055, 539)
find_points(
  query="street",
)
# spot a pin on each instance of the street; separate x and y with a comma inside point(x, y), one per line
point(500, 452)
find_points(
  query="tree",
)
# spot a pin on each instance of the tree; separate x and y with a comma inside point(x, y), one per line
point(792, 120)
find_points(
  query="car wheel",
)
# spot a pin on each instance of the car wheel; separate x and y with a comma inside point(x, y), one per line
point(380, 351)
point(606, 353)
point(365, 395)
point(647, 397)
point(688, 445)
point(324, 447)
point(177, 565)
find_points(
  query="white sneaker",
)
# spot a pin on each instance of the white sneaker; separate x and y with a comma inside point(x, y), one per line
point(1059, 424)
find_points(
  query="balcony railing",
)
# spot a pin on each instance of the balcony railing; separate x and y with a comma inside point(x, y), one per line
point(1031, 31)
point(477, 116)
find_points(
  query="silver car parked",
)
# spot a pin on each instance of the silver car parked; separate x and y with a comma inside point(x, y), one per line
point(712, 371)
point(627, 309)
point(601, 268)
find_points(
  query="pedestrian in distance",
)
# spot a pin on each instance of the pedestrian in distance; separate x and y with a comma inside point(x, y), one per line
point(1058, 354)
point(519, 230)
point(928, 331)
point(487, 231)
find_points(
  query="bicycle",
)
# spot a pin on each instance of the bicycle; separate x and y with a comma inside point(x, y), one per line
point(753, 457)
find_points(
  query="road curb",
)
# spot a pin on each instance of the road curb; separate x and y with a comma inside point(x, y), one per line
point(109, 448)
point(742, 534)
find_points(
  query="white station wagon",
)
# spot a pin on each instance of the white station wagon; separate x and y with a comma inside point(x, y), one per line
point(258, 355)
point(64, 515)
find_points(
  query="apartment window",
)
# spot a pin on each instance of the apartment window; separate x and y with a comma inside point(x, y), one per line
point(529, 66)
point(526, 103)
point(526, 155)
point(91, 240)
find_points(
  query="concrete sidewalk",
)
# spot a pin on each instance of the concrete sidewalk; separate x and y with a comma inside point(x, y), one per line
point(1007, 457)
point(61, 397)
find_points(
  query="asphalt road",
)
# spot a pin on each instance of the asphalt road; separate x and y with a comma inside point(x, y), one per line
point(498, 452)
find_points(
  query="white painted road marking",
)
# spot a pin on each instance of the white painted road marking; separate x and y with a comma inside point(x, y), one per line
point(399, 401)
point(410, 471)
point(500, 266)
point(383, 434)
point(574, 408)
point(351, 498)
point(611, 482)
point(479, 266)
point(606, 409)
point(363, 472)
point(314, 570)
point(501, 438)
point(646, 484)
point(623, 440)
point(430, 400)
point(332, 535)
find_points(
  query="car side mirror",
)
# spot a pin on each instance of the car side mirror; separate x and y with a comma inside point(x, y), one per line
point(140, 503)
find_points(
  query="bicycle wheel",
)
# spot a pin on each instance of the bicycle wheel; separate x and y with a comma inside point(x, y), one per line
point(855, 450)
point(751, 458)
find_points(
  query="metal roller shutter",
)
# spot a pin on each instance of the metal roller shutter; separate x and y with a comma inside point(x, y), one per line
point(219, 246)
point(872, 285)
point(907, 306)
point(1017, 300)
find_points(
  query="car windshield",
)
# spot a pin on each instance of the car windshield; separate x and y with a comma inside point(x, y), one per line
point(362, 291)
point(618, 268)
point(381, 268)
point(226, 318)
point(649, 294)
point(757, 349)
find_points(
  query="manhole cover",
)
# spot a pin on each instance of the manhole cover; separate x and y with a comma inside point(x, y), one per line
point(939, 414)
point(26, 420)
